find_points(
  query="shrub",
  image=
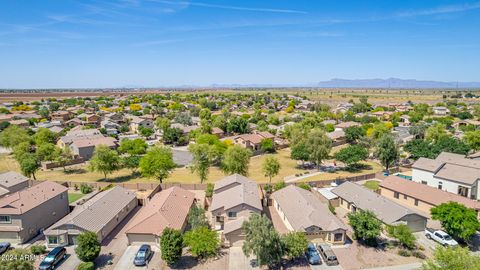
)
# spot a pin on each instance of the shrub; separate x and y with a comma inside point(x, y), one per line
point(88, 247)
point(404, 253)
point(209, 190)
point(84, 188)
point(202, 241)
point(86, 266)
point(171, 245)
point(419, 255)
point(331, 208)
point(305, 186)
point(38, 249)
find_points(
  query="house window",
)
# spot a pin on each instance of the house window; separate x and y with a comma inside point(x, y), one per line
point(232, 214)
point(338, 237)
point(52, 240)
point(440, 185)
point(5, 219)
point(424, 182)
point(463, 191)
point(404, 196)
point(396, 195)
point(416, 202)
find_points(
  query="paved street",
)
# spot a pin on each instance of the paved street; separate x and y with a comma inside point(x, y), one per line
point(126, 260)
point(410, 266)
point(238, 261)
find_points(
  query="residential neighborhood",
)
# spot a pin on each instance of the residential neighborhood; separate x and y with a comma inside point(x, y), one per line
point(238, 181)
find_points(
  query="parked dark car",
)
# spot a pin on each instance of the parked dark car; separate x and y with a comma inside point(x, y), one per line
point(4, 246)
point(312, 254)
point(327, 254)
point(53, 258)
point(143, 256)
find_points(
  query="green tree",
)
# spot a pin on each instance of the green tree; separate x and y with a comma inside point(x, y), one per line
point(63, 156)
point(403, 234)
point(267, 145)
point(88, 246)
point(457, 220)
point(351, 155)
point(202, 241)
point(44, 135)
point(318, 145)
point(157, 163)
point(16, 264)
point(387, 151)
point(262, 240)
point(436, 132)
point(305, 186)
point(295, 244)
point(365, 226)
point(29, 164)
point(20, 149)
point(13, 135)
point(299, 151)
point(130, 162)
point(236, 160)
point(202, 160)
point(197, 217)
point(449, 258)
point(270, 167)
point(353, 134)
point(104, 160)
point(162, 123)
point(171, 243)
point(133, 147)
point(146, 132)
point(472, 138)
point(46, 151)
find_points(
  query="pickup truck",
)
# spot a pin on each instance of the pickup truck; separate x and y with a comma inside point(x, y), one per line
point(441, 237)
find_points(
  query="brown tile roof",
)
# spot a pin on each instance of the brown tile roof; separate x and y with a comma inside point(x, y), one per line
point(241, 190)
point(303, 210)
point(9, 179)
point(347, 124)
point(387, 211)
point(87, 142)
point(29, 198)
point(94, 214)
point(169, 208)
point(428, 194)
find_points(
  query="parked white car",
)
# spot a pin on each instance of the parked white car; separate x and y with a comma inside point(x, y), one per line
point(441, 237)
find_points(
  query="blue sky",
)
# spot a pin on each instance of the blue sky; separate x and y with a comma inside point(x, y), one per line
point(65, 43)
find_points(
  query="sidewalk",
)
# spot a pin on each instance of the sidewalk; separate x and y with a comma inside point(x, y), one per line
point(410, 266)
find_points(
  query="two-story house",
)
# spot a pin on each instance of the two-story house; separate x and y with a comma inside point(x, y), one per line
point(12, 182)
point(24, 214)
point(450, 172)
point(234, 199)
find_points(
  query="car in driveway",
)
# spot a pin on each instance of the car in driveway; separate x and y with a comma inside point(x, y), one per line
point(4, 246)
point(312, 254)
point(327, 254)
point(441, 237)
point(53, 258)
point(143, 256)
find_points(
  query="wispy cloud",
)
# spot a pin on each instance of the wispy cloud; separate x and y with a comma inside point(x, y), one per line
point(440, 10)
point(239, 8)
point(157, 42)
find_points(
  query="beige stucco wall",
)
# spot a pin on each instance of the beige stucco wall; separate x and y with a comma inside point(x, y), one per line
point(408, 201)
point(136, 239)
point(40, 217)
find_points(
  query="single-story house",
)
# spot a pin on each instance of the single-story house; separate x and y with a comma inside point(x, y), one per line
point(353, 196)
point(85, 147)
point(168, 208)
point(101, 214)
point(302, 211)
point(24, 214)
point(419, 196)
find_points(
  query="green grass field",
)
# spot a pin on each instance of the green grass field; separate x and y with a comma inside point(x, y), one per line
point(372, 184)
point(79, 173)
point(73, 197)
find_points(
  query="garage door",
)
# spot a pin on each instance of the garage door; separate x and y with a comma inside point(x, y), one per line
point(415, 223)
point(11, 237)
point(235, 238)
point(139, 239)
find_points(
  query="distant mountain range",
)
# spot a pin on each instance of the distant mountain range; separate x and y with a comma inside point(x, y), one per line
point(394, 83)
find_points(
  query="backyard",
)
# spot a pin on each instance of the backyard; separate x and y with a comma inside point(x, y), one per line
point(73, 197)
point(80, 173)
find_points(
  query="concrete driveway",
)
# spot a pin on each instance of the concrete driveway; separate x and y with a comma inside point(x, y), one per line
point(238, 260)
point(428, 244)
point(126, 260)
point(72, 261)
